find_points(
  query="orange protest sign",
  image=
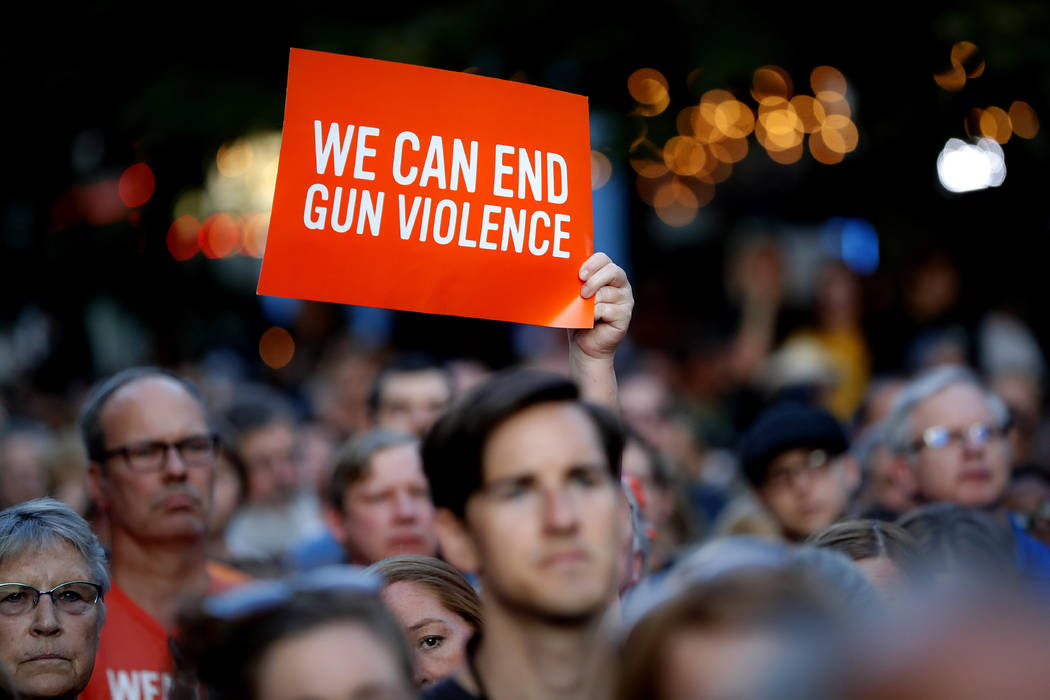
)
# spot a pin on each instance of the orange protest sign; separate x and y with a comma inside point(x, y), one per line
point(427, 190)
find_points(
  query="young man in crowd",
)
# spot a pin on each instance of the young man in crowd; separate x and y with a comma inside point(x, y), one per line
point(409, 394)
point(950, 435)
point(152, 457)
point(796, 457)
point(535, 510)
point(378, 500)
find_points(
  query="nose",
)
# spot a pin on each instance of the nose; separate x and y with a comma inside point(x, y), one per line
point(559, 511)
point(173, 464)
point(45, 618)
point(404, 506)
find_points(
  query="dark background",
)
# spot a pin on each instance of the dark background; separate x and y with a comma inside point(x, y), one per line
point(169, 84)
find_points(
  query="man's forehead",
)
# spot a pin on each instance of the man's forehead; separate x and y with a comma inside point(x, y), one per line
point(961, 403)
point(543, 436)
point(151, 401)
point(394, 464)
point(413, 382)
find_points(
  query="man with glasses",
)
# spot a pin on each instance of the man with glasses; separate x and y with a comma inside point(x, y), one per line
point(949, 434)
point(152, 461)
point(795, 457)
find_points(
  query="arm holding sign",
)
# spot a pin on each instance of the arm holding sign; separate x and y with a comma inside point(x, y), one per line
point(591, 350)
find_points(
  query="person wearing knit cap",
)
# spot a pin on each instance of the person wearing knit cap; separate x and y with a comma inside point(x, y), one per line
point(795, 455)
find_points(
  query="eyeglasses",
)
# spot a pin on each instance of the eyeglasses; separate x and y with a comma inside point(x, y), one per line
point(152, 455)
point(939, 436)
point(72, 597)
point(816, 463)
point(264, 596)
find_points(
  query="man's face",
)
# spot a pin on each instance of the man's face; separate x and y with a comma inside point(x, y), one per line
point(545, 525)
point(964, 470)
point(410, 402)
point(270, 459)
point(47, 652)
point(806, 490)
point(389, 512)
point(173, 502)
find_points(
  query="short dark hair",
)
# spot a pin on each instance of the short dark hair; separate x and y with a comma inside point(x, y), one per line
point(90, 420)
point(404, 364)
point(255, 406)
point(453, 447)
point(962, 540)
point(224, 655)
point(351, 463)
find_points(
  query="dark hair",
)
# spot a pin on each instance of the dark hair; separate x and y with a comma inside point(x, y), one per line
point(453, 447)
point(90, 420)
point(223, 655)
point(352, 461)
point(404, 364)
point(953, 538)
point(444, 581)
point(868, 539)
point(254, 407)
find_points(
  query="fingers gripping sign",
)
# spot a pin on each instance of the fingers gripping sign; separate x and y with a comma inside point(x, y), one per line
point(591, 350)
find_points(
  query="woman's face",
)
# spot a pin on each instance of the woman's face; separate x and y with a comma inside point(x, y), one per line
point(46, 651)
point(341, 660)
point(437, 636)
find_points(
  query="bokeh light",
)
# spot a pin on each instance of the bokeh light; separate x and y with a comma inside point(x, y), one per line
point(276, 347)
point(828, 83)
point(839, 134)
point(717, 174)
point(995, 124)
point(136, 185)
point(972, 122)
point(820, 151)
point(1024, 120)
point(771, 81)
point(962, 167)
point(646, 159)
point(684, 155)
point(729, 150)
point(952, 80)
point(965, 55)
point(219, 236)
point(650, 90)
point(677, 202)
point(787, 156)
point(810, 111)
point(254, 228)
point(183, 237)
point(234, 159)
point(601, 169)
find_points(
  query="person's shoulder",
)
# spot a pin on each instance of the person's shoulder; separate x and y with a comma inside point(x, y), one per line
point(447, 689)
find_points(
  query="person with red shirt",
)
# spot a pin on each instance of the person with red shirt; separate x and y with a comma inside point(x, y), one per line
point(152, 466)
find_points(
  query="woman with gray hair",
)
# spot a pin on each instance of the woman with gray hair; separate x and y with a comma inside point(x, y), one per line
point(52, 579)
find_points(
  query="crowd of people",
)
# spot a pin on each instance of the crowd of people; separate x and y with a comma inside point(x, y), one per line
point(555, 531)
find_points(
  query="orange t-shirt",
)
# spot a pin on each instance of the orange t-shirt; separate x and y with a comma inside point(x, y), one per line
point(134, 655)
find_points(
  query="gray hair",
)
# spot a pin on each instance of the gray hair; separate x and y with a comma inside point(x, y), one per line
point(899, 429)
point(45, 522)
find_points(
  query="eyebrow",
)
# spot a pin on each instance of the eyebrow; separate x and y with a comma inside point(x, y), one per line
point(424, 622)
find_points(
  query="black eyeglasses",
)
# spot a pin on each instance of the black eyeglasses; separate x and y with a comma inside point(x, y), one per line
point(263, 596)
point(152, 455)
point(73, 597)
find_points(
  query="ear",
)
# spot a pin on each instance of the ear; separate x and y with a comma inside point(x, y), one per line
point(336, 522)
point(456, 545)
